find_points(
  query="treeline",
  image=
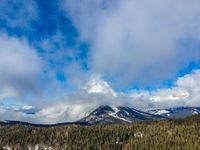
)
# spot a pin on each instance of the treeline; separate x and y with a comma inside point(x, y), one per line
point(183, 134)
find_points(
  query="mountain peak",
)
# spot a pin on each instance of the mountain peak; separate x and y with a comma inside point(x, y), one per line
point(117, 115)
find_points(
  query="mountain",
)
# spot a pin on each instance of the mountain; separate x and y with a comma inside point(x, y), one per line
point(118, 115)
point(178, 112)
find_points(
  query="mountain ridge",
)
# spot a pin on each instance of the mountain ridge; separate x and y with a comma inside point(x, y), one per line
point(106, 114)
point(118, 115)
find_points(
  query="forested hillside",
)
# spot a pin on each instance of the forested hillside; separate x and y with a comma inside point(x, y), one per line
point(155, 135)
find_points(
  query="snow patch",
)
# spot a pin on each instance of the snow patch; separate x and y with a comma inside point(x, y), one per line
point(114, 114)
point(161, 112)
point(195, 113)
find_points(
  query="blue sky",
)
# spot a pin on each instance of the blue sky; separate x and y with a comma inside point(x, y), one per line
point(51, 49)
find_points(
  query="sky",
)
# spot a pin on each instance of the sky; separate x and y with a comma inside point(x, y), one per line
point(61, 59)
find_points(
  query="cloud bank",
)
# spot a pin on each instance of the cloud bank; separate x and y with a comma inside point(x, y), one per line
point(98, 92)
point(133, 39)
point(20, 68)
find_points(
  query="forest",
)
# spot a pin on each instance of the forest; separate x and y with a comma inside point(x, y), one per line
point(174, 134)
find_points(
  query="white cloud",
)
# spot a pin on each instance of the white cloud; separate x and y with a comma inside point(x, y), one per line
point(191, 84)
point(97, 85)
point(20, 67)
point(185, 92)
point(132, 40)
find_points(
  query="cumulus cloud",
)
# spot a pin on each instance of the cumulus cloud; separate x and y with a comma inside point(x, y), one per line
point(134, 39)
point(97, 85)
point(185, 92)
point(20, 67)
point(191, 84)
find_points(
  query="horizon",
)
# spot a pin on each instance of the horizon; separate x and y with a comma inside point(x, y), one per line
point(60, 60)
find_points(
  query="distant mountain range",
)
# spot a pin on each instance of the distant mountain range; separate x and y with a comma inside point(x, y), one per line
point(121, 115)
point(178, 112)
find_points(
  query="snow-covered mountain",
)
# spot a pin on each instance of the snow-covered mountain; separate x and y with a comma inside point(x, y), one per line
point(178, 112)
point(118, 115)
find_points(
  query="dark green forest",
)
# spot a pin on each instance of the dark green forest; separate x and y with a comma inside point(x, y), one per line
point(177, 134)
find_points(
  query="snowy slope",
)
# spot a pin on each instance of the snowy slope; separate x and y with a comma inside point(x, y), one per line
point(118, 115)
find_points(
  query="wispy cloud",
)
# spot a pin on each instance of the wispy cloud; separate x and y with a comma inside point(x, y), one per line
point(18, 14)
